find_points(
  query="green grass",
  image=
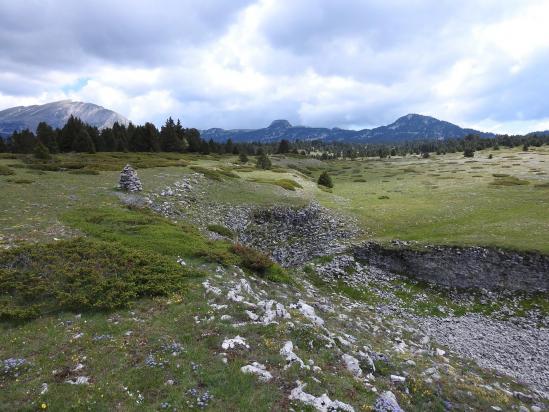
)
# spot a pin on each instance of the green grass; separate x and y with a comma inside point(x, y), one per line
point(461, 210)
point(142, 230)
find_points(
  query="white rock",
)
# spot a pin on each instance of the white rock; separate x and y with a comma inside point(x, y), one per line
point(440, 352)
point(396, 378)
point(321, 403)
point(211, 289)
point(309, 312)
point(352, 364)
point(79, 380)
point(387, 402)
point(232, 343)
point(258, 369)
point(288, 352)
point(252, 315)
point(44, 389)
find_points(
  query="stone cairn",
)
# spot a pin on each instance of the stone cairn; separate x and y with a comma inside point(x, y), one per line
point(129, 181)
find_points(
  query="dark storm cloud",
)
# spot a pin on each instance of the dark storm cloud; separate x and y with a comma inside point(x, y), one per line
point(60, 33)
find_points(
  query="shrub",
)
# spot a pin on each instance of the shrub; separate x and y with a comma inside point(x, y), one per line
point(6, 171)
point(325, 180)
point(490, 156)
point(221, 230)
point(469, 152)
point(81, 274)
point(41, 152)
point(252, 259)
point(263, 162)
point(242, 158)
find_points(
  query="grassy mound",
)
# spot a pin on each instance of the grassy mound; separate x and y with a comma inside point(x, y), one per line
point(81, 275)
point(221, 230)
point(6, 171)
point(509, 181)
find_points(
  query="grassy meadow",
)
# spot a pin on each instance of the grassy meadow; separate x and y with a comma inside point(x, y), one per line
point(66, 315)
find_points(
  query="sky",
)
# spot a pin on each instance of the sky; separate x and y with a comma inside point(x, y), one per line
point(242, 63)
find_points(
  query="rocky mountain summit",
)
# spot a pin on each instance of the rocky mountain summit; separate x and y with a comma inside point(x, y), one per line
point(409, 127)
point(56, 115)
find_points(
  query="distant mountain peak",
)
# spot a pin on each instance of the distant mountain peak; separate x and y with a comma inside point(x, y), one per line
point(409, 127)
point(56, 115)
point(280, 124)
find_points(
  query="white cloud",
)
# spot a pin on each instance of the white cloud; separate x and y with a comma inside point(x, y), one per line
point(241, 64)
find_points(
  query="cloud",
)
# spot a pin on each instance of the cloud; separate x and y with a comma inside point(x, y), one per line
point(240, 64)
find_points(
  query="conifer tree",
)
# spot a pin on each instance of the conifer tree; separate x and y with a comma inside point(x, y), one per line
point(41, 151)
point(83, 142)
point(47, 136)
point(325, 180)
point(263, 162)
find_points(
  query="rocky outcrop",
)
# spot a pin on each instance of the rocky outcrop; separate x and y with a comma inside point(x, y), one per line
point(129, 181)
point(471, 267)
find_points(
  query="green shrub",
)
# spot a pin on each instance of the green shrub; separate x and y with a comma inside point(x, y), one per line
point(209, 173)
point(325, 180)
point(6, 171)
point(252, 259)
point(81, 274)
point(221, 230)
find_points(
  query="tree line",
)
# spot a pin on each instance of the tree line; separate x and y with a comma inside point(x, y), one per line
point(77, 136)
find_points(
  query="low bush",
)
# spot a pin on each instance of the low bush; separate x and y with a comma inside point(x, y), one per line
point(81, 274)
point(325, 180)
point(288, 184)
point(260, 263)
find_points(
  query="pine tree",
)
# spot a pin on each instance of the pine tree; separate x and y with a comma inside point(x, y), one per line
point(23, 141)
point(229, 146)
point(3, 146)
point(69, 132)
point(243, 158)
point(83, 142)
point(263, 162)
point(169, 139)
point(325, 180)
point(108, 139)
point(468, 152)
point(41, 152)
point(283, 147)
point(47, 136)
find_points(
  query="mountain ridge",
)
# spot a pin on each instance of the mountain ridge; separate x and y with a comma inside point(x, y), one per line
point(56, 115)
point(409, 127)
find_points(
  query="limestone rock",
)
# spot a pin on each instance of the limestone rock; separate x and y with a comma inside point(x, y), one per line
point(387, 403)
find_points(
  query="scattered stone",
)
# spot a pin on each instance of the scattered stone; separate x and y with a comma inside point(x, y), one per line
point(309, 312)
point(12, 366)
point(387, 402)
point(234, 342)
point(258, 369)
point(397, 379)
point(352, 365)
point(129, 181)
point(321, 403)
point(288, 352)
point(78, 380)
